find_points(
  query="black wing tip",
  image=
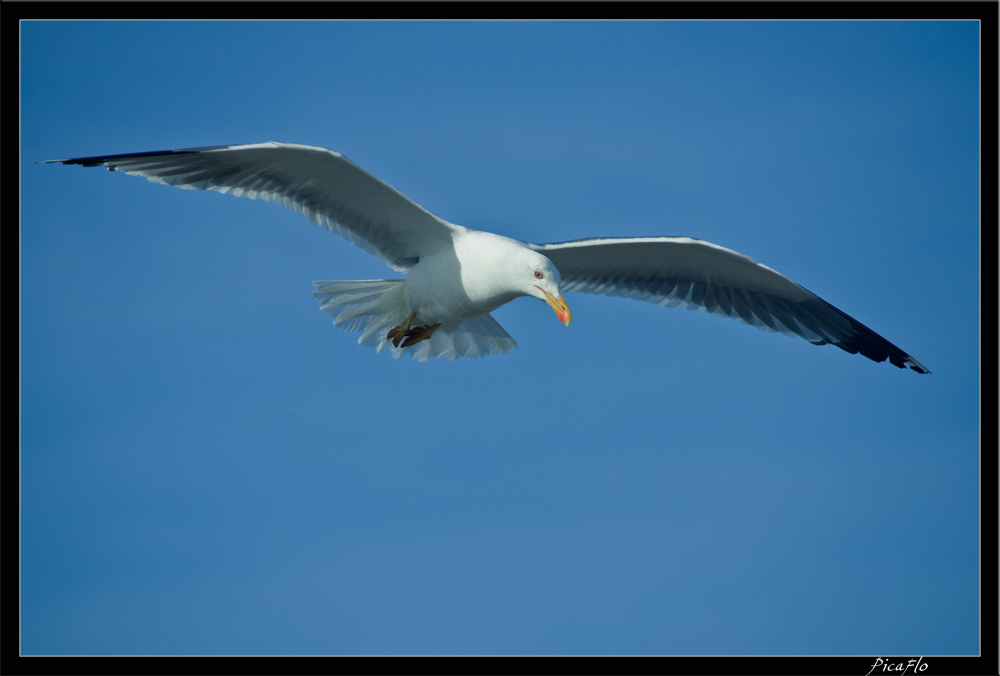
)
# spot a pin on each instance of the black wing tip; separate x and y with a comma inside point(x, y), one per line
point(101, 160)
point(878, 353)
point(904, 361)
point(861, 339)
point(84, 161)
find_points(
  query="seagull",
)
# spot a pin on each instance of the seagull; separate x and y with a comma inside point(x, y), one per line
point(455, 276)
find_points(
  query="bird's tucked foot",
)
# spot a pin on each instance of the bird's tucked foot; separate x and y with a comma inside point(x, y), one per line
point(400, 332)
point(415, 335)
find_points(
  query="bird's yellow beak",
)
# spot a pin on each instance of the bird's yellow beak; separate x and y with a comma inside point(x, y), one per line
point(559, 305)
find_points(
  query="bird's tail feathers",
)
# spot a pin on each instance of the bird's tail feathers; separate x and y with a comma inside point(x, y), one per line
point(376, 306)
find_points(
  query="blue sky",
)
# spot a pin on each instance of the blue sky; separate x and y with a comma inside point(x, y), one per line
point(208, 465)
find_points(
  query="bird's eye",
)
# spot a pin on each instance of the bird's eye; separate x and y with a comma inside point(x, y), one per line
point(538, 275)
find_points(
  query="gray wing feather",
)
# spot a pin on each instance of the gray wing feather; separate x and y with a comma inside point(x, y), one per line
point(696, 275)
point(322, 185)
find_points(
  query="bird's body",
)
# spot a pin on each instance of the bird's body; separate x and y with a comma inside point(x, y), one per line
point(457, 284)
point(455, 276)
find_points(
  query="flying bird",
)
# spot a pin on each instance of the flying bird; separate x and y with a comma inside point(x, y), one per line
point(455, 276)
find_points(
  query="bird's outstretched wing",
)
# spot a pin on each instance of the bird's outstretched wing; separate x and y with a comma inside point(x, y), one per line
point(697, 275)
point(322, 185)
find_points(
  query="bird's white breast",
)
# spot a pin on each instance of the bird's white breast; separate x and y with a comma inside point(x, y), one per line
point(470, 279)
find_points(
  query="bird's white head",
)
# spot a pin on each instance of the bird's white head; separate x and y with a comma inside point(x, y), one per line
point(497, 269)
point(542, 281)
